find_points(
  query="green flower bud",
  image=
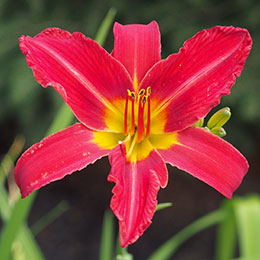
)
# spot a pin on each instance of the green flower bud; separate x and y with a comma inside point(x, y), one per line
point(219, 118)
point(199, 123)
point(219, 131)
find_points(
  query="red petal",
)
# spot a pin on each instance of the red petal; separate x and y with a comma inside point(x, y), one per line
point(208, 158)
point(137, 47)
point(86, 76)
point(56, 156)
point(191, 82)
point(135, 192)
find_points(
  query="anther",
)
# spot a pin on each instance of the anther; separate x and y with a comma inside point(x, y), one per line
point(141, 92)
point(148, 91)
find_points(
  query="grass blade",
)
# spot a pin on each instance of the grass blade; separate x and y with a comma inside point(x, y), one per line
point(247, 211)
point(107, 237)
point(53, 214)
point(161, 206)
point(30, 248)
point(5, 209)
point(8, 161)
point(105, 26)
point(25, 238)
point(10, 228)
point(170, 247)
point(226, 234)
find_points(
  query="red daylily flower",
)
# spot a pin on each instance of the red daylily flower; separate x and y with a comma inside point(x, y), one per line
point(137, 109)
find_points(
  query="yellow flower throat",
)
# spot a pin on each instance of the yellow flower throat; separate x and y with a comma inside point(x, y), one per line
point(134, 124)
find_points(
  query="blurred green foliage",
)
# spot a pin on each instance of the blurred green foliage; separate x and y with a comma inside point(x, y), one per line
point(27, 108)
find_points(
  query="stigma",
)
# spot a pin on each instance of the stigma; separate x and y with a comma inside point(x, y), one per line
point(137, 116)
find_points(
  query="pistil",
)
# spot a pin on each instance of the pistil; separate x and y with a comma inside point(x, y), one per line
point(133, 113)
point(148, 93)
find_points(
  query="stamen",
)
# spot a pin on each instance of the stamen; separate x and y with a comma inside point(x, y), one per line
point(140, 128)
point(130, 95)
point(133, 114)
point(148, 93)
point(142, 98)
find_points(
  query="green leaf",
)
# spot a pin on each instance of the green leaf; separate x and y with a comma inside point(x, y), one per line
point(30, 247)
point(226, 233)
point(4, 206)
point(10, 228)
point(171, 246)
point(245, 258)
point(243, 219)
point(28, 244)
point(107, 237)
point(247, 212)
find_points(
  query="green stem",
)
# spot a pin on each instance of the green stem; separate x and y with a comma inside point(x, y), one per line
point(121, 252)
point(107, 237)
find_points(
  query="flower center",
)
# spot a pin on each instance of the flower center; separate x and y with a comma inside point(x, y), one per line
point(138, 128)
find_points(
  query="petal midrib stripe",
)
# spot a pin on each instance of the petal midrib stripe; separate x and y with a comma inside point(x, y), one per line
point(197, 76)
point(204, 154)
point(78, 76)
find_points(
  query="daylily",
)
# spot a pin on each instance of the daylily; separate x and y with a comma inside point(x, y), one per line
point(139, 110)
